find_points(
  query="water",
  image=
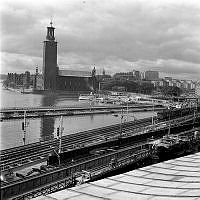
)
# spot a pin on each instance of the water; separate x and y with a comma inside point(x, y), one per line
point(45, 128)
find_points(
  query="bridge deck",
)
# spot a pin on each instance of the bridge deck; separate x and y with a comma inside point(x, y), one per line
point(60, 108)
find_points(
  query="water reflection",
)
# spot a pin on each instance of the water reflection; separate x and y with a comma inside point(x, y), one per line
point(91, 118)
point(47, 123)
point(44, 128)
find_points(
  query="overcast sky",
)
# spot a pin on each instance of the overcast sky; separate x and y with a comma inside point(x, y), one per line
point(117, 35)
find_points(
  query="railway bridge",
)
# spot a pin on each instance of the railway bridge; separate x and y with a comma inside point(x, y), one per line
point(49, 111)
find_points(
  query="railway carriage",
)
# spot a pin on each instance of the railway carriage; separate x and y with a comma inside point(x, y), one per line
point(177, 112)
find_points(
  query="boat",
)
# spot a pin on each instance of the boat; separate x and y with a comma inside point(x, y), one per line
point(115, 115)
point(89, 97)
point(100, 99)
point(27, 91)
point(85, 97)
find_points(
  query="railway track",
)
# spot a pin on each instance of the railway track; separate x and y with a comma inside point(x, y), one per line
point(136, 145)
point(34, 151)
point(39, 151)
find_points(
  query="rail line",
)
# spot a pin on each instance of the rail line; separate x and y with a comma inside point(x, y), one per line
point(37, 151)
point(95, 165)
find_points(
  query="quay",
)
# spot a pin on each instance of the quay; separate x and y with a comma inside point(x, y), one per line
point(35, 112)
point(96, 159)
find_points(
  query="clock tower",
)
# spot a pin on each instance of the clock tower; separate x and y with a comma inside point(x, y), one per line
point(50, 70)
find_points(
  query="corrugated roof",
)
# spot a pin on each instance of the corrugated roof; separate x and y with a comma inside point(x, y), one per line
point(74, 73)
point(173, 179)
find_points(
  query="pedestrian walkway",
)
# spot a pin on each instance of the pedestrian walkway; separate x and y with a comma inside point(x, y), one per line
point(174, 179)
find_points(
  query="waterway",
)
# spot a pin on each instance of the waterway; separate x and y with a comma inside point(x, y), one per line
point(45, 128)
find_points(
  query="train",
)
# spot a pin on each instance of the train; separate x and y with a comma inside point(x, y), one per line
point(81, 151)
point(172, 146)
point(168, 114)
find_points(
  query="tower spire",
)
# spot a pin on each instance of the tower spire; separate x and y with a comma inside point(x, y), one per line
point(50, 32)
point(51, 22)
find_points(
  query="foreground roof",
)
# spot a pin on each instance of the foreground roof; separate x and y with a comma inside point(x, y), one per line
point(174, 179)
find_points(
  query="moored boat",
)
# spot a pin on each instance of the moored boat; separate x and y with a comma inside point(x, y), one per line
point(89, 97)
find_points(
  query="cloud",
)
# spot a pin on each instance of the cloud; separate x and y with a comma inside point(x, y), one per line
point(19, 62)
point(115, 35)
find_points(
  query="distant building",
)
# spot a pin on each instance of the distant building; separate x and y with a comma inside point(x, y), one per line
point(137, 75)
point(72, 80)
point(177, 83)
point(184, 84)
point(27, 79)
point(104, 72)
point(167, 78)
point(151, 75)
point(124, 76)
point(39, 82)
point(15, 80)
point(159, 83)
point(191, 85)
point(55, 79)
point(103, 77)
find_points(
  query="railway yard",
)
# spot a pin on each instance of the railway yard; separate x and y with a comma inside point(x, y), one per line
point(92, 154)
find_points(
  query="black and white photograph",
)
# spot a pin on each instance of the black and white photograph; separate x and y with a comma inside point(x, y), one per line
point(100, 99)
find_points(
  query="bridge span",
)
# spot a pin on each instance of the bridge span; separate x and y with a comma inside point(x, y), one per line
point(49, 111)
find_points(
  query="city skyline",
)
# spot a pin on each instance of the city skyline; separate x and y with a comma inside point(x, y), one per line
point(118, 36)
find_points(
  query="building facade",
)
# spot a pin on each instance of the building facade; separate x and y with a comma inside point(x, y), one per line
point(151, 75)
point(137, 75)
point(124, 76)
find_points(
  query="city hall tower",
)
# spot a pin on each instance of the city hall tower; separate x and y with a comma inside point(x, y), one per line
point(50, 70)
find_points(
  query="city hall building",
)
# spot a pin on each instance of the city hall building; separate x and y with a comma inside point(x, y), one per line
point(55, 79)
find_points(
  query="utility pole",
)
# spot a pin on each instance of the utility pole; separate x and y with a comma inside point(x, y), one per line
point(99, 86)
point(57, 156)
point(169, 130)
point(60, 135)
point(195, 110)
point(24, 125)
point(127, 111)
point(152, 119)
point(122, 116)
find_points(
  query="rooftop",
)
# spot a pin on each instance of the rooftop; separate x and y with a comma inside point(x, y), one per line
point(74, 73)
point(174, 179)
